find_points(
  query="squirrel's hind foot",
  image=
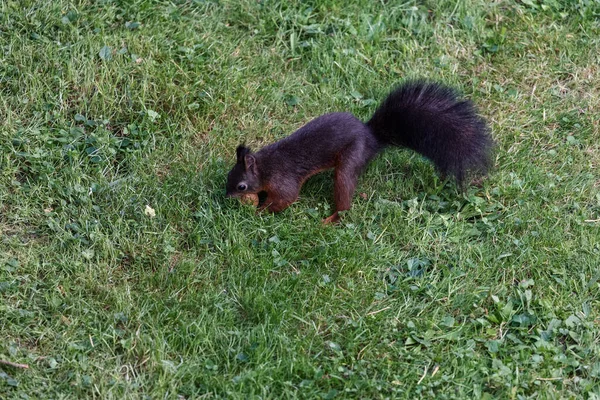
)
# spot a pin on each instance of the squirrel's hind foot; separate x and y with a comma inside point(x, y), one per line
point(332, 219)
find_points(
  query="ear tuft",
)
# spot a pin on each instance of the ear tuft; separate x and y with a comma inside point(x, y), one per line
point(250, 162)
point(241, 152)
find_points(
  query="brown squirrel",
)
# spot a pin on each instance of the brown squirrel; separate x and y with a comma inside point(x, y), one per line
point(426, 117)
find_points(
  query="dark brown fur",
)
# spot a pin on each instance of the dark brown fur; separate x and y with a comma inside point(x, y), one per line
point(427, 118)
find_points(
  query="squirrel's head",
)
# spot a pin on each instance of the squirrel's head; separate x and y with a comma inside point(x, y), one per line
point(243, 177)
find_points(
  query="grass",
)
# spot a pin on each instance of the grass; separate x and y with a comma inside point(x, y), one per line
point(109, 106)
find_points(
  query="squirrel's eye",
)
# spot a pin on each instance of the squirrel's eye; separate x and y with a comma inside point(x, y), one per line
point(241, 187)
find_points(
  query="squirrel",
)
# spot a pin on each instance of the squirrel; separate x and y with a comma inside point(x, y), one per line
point(428, 118)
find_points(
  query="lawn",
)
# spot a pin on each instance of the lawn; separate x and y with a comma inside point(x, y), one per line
point(125, 273)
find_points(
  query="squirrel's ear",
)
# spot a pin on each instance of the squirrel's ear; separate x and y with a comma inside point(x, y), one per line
point(241, 152)
point(250, 162)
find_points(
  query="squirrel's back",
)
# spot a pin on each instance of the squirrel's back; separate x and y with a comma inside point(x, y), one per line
point(318, 145)
point(430, 119)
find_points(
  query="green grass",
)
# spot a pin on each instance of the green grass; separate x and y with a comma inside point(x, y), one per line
point(421, 291)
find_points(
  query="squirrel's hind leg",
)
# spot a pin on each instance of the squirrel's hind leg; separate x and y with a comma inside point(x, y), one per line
point(346, 176)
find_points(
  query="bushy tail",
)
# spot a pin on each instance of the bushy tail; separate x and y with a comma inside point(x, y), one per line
point(431, 120)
